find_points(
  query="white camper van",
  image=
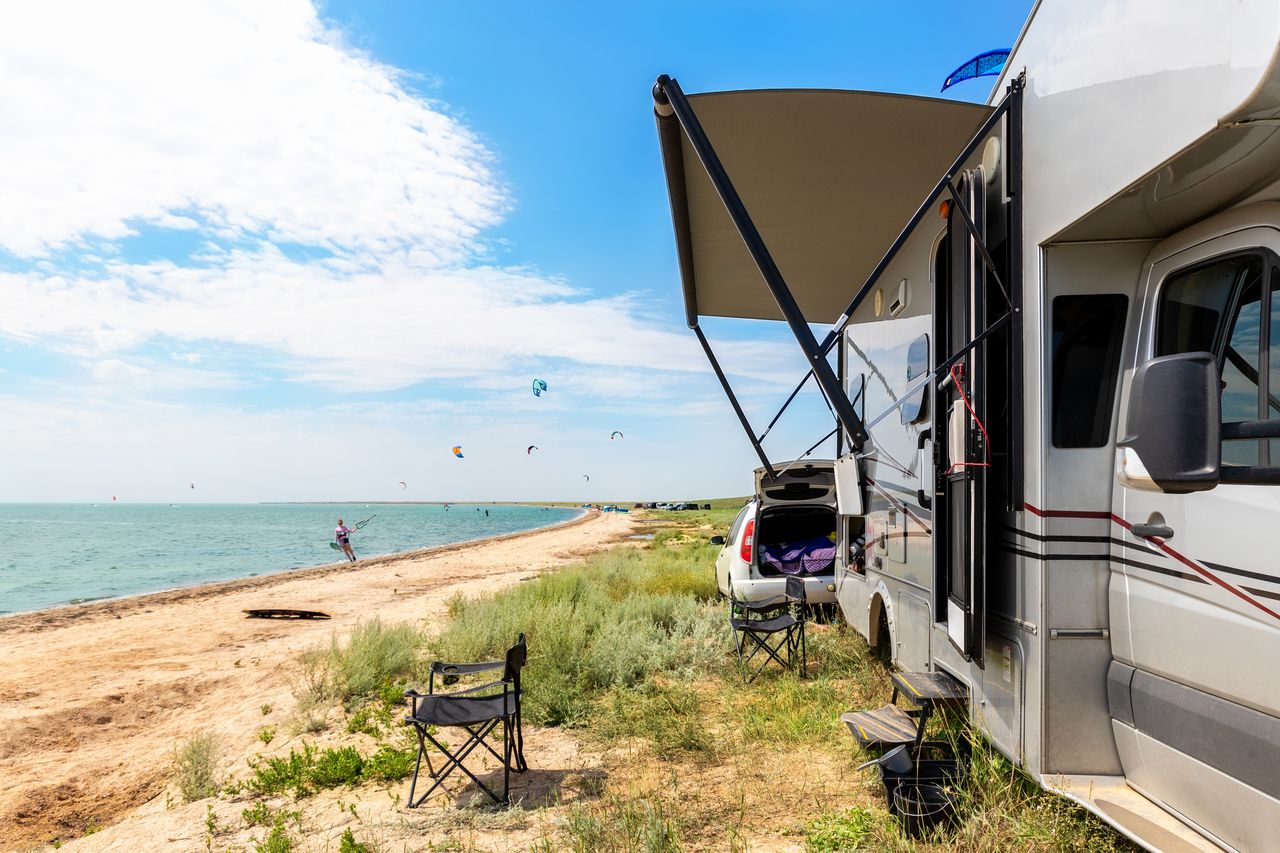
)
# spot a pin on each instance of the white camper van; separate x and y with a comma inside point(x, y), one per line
point(1056, 347)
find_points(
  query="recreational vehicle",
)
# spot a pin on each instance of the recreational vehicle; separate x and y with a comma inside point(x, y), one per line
point(1054, 369)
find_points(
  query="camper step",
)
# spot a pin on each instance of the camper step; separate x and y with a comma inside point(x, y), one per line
point(930, 689)
point(881, 729)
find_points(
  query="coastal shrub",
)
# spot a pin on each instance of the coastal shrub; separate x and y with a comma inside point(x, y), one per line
point(307, 770)
point(194, 765)
point(258, 814)
point(618, 619)
point(278, 774)
point(389, 764)
point(336, 766)
point(277, 840)
point(374, 657)
point(348, 843)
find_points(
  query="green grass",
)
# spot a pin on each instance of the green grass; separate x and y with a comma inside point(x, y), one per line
point(845, 831)
point(617, 620)
point(616, 825)
point(194, 764)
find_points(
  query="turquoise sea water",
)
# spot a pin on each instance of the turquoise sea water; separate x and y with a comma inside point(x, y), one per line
point(67, 553)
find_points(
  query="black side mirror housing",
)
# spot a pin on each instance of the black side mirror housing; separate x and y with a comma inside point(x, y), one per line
point(1172, 440)
point(716, 540)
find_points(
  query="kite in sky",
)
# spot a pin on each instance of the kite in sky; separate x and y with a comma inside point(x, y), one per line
point(403, 485)
point(532, 448)
point(539, 385)
point(986, 64)
point(616, 434)
point(457, 450)
point(585, 477)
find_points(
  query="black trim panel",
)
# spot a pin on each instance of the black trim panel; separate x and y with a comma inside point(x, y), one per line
point(1239, 741)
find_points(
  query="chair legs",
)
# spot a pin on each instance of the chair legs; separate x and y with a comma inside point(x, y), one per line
point(512, 757)
point(750, 643)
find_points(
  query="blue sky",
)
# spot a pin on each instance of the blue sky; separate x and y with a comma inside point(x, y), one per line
point(297, 253)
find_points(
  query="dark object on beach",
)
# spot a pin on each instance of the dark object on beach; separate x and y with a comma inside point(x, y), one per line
point(478, 711)
point(283, 613)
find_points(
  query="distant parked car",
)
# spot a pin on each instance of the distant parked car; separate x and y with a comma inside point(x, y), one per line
point(787, 528)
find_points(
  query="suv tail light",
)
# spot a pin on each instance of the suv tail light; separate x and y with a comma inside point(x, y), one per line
point(748, 539)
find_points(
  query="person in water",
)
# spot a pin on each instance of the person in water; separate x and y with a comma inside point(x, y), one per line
point(343, 535)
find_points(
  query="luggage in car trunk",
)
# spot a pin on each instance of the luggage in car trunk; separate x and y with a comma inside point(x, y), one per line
point(796, 540)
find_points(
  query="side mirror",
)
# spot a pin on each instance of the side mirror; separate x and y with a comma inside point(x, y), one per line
point(716, 540)
point(1172, 440)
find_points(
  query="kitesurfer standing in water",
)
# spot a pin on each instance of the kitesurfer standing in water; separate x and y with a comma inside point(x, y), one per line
point(343, 534)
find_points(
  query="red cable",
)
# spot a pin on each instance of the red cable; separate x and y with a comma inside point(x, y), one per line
point(957, 377)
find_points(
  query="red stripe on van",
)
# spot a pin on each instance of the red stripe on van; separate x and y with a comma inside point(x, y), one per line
point(1159, 543)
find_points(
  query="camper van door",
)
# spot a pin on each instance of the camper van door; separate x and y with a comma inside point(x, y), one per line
point(1195, 592)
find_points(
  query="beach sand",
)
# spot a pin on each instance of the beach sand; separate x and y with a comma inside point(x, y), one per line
point(94, 697)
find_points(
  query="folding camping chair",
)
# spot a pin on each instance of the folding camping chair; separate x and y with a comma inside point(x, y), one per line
point(477, 710)
point(756, 623)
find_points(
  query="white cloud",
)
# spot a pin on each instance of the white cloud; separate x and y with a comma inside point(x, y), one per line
point(250, 116)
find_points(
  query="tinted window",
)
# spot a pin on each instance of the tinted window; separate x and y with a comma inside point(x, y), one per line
point(1273, 371)
point(1218, 307)
point(917, 366)
point(1194, 304)
point(1087, 334)
point(1240, 376)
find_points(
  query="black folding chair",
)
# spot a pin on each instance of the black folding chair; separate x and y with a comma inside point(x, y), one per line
point(756, 624)
point(478, 711)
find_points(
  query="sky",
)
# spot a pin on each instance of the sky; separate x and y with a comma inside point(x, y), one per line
point(287, 251)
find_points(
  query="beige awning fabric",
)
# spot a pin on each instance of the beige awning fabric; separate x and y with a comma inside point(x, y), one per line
point(828, 177)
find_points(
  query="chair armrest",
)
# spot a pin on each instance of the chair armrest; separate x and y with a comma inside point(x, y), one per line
point(451, 671)
point(775, 603)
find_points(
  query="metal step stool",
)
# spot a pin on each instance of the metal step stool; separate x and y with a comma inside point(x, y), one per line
point(891, 725)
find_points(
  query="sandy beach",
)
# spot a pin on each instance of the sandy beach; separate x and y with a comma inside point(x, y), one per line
point(93, 697)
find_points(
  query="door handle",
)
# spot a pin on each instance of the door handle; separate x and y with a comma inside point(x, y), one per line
point(1146, 531)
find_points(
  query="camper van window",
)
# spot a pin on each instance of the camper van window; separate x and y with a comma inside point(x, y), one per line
point(1218, 307)
point(1273, 371)
point(917, 365)
point(1087, 333)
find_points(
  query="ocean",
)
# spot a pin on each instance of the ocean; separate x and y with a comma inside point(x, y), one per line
point(71, 553)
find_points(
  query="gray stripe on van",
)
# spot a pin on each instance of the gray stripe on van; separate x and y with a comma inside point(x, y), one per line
point(1239, 741)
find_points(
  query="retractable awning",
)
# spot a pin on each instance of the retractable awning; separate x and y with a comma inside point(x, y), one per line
point(829, 178)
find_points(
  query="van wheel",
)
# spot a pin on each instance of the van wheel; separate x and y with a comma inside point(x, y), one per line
point(883, 649)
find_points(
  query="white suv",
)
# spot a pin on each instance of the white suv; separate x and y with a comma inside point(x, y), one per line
point(787, 528)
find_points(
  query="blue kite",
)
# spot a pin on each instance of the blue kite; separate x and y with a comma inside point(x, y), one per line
point(986, 64)
point(539, 385)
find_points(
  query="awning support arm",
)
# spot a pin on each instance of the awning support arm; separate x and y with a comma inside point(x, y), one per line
point(667, 92)
point(733, 401)
point(778, 416)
